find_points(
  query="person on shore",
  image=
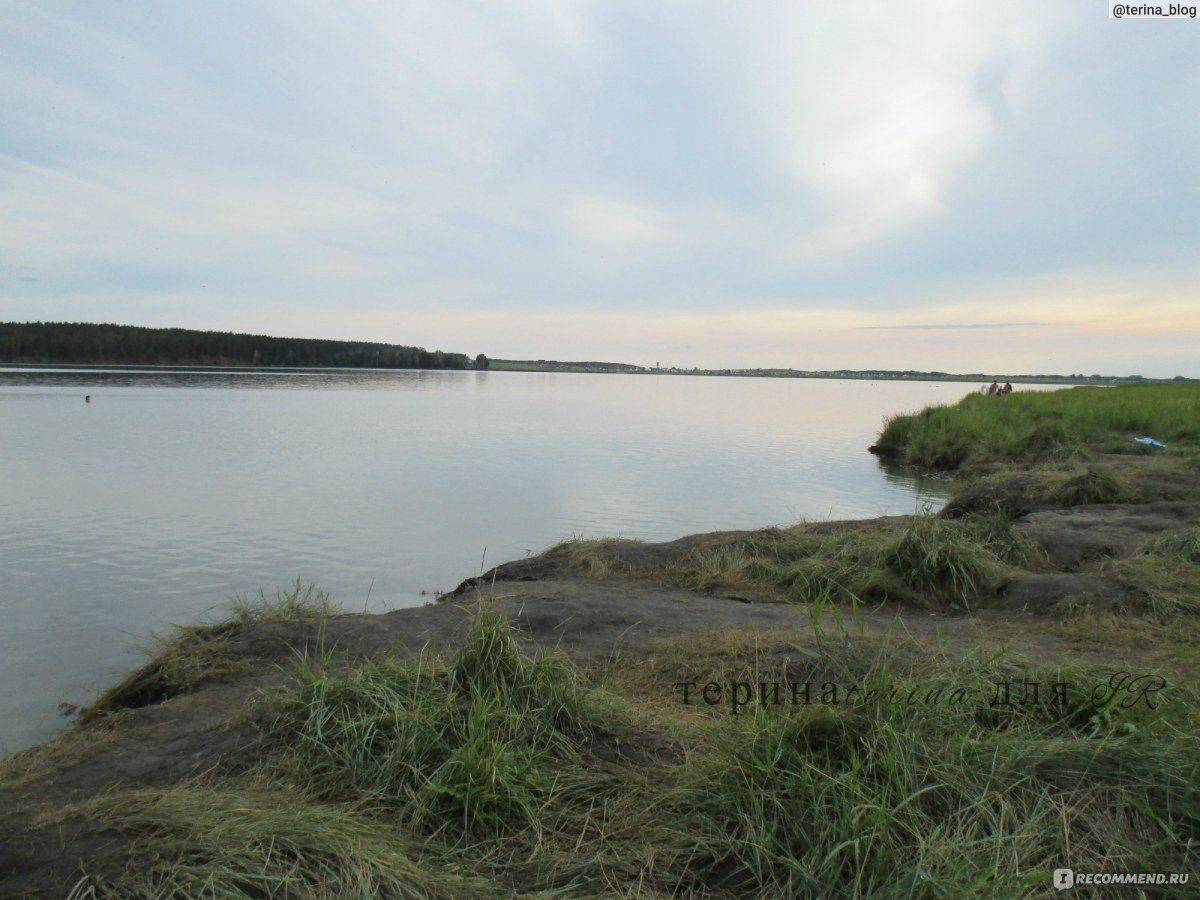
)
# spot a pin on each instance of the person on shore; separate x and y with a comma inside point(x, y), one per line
point(1007, 389)
point(993, 389)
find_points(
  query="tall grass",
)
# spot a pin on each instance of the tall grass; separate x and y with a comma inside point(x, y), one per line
point(895, 799)
point(297, 603)
point(478, 776)
point(1040, 426)
point(456, 747)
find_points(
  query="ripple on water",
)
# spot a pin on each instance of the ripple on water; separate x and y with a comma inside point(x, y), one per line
point(169, 493)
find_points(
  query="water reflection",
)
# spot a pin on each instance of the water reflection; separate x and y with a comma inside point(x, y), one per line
point(930, 489)
point(173, 490)
point(309, 379)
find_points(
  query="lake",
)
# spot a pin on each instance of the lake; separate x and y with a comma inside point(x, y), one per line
point(172, 491)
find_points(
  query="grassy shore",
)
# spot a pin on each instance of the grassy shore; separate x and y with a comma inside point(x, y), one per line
point(1048, 426)
point(830, 761)
point(496, 773)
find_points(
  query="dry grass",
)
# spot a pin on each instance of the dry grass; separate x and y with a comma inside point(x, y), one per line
point(591, 557)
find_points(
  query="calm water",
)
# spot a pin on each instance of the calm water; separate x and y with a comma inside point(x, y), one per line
point(169, 493)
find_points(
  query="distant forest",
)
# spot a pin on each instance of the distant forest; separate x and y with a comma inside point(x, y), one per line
point(79, 343)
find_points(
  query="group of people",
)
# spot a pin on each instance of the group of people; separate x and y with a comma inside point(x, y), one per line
point(994, 389)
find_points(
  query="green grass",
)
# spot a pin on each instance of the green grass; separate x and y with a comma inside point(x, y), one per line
point(1092, 484)
point(1163, 578)
point(296, 603)
point(1181, 543)
point(890, 799)
point(1044, 426)
point(455, 746)
point(189, 655)
point(478, 775)
point(942, 560)
point(929, 562)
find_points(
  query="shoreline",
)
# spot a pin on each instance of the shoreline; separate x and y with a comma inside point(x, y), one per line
point(1028, 576)
point(572, 369)
point(609, 604)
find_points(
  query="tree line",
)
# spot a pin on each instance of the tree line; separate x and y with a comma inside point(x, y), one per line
point(81, 343)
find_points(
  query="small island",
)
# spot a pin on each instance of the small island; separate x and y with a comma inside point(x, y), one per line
point(970, 699)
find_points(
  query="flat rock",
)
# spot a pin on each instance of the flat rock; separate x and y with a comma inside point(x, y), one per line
point(1071, 537)
point(1039, 593)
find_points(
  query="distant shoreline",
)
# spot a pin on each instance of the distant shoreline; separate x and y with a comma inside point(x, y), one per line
point(608, 369)
point(504, 365)
point(183, 367)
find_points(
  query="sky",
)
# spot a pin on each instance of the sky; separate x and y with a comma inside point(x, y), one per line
point(943, 185)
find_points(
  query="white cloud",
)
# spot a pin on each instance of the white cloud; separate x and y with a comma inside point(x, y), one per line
point(873, 108)
point(752, 181)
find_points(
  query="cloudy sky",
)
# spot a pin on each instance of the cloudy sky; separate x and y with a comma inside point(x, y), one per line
point(965, 186)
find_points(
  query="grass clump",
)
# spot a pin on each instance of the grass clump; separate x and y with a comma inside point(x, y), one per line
point(739, 563)
point(1179, 543)
point(461, 746)
point(747, 559)
point(190, 655)
point(845, 566)
point(1163, 578)
point(925, 560)
point(997, 533)
point(928, 562)
point(592, 557)
point(297, 603)
point(940, 559)
point(393, 777)
point(1094, 484)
